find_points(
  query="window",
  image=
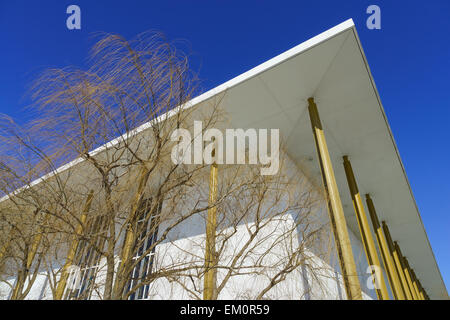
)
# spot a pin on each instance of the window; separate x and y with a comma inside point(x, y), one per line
point(147, 229)
point(82, 274)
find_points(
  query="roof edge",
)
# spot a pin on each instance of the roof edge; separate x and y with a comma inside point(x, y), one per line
point(330, 33)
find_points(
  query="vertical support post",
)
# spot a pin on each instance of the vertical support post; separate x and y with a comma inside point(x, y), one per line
point(396, 259)
point(73, 248)
point(209, 282)
point(423, 293)
point(409, 286)
point(389, 266)
point(335, 210)
point(409, 278)
point(366, 234)
point(3, 250)
point(415, 281)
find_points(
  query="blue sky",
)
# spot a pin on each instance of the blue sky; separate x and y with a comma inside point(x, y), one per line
point(409, 59)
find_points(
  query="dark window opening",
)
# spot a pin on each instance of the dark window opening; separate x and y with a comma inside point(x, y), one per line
point(147, 229)
point(83, 272)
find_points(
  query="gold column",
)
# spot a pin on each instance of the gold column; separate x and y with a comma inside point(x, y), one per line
point(73, 248)
point(36, 240)
point(409, 277)
point(366, 234)
point(397, 263)
point(389, 265)
point(209, 281)
point(335, 210)
point(421, 291)
point(414, 280)
point(410, 287)
point(130, 233)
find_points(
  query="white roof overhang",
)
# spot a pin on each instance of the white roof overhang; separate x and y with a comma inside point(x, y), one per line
point(333, 69)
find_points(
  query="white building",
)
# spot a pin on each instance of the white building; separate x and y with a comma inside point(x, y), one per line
point(332, 69)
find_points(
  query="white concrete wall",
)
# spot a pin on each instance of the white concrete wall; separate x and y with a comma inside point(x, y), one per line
point(327, 284)
point(184, 246)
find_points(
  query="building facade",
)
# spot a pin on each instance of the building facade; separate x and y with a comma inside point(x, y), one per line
point(339, 213)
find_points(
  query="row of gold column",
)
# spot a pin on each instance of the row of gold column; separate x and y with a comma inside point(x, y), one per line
point(402, 279)
point(335, 210)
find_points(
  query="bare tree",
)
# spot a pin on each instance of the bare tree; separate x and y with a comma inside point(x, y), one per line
point(109, 224)
point(267, 229)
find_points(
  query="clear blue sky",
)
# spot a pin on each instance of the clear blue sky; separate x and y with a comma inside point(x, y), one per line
point(409, 58)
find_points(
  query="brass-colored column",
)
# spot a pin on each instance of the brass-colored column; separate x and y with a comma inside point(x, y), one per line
point(209, 281)
point(409, 286)
point(388, 261)
point(366, 234)
point(335, 210)
point(409, 277)
point(73, 248)
point(397, 263)
point(31, 253)
point(410, 283)
point(414, 280)
point(421, 290)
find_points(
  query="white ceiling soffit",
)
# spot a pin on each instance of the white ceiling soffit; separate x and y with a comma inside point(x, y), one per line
point(333, 69)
